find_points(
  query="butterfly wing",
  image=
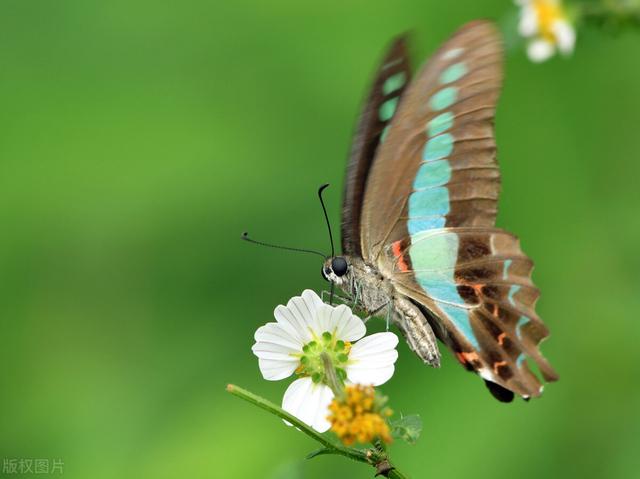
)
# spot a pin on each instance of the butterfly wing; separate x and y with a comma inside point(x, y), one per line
point(390, 81)
point(437, 166)
point(476, 285)
point(429, 212)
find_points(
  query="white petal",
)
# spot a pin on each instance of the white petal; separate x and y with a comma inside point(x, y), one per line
point(266, 350)
point(276, 352)
point(308, 402)
point(273, 370)
point(372, 359)
point(323, 320)
point(565, 36)
point(299, 315)
point(373, 344)
point(370, 377)
point(341, 321)
point(312, 299)
point(274, 333)
point(540, 50)
point(349, 327)
point(528, 25)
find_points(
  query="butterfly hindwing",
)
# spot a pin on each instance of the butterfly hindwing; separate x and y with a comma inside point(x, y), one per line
point(477, 282)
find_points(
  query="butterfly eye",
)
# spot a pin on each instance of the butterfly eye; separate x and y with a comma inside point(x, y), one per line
point(325, 272)
point(339, 265)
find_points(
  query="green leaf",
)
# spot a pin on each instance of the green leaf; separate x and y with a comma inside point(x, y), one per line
point(407, 428)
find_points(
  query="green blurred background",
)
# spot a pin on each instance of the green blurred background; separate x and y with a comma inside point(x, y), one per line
point(139, 139)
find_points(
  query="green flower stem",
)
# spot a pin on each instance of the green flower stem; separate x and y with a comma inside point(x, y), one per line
point(332, 378)
point(612, 12)
point(395, 474)
point(329, 447)
point(268, 406)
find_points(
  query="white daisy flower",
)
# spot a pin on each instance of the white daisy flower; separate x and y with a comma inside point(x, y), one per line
point(547, 27)
point(305, 328)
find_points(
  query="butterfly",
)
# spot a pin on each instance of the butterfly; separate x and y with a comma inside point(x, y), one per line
point(418, 220)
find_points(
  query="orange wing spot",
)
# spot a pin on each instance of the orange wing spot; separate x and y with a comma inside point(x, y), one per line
point(468, 357)
point(496, 310)
point(396, 247)
point(501, 338)
point(498, 365)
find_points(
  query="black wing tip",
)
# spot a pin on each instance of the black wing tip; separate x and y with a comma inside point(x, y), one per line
point(398, 48)
point(502, 394)
point(401, 38)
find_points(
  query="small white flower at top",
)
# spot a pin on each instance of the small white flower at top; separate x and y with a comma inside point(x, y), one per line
point(547, 27)
point(305, 329)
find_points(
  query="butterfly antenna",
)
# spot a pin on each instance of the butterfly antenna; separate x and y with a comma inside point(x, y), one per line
point(245, 236)
point(326, 216)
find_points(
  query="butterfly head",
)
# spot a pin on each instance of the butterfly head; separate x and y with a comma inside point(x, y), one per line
point(335, 269)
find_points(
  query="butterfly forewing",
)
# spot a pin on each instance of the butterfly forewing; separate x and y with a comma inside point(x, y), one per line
point(437, 167)
point(390, 82)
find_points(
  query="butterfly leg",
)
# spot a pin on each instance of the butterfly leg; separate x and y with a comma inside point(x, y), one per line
point(378, 313)
point(416, 330)
point(357, 295)
point(389, 309)
point(325, 295)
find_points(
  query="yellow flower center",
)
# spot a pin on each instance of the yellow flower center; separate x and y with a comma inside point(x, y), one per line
point(548, 12)
point(311, 362)
point(359, 417)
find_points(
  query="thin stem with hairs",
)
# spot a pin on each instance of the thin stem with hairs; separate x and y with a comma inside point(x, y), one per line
point(372, 457)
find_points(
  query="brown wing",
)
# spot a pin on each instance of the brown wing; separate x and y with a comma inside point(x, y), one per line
point(390, 81)
point(447, 111)
point(429, 213)
point(476, 283)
